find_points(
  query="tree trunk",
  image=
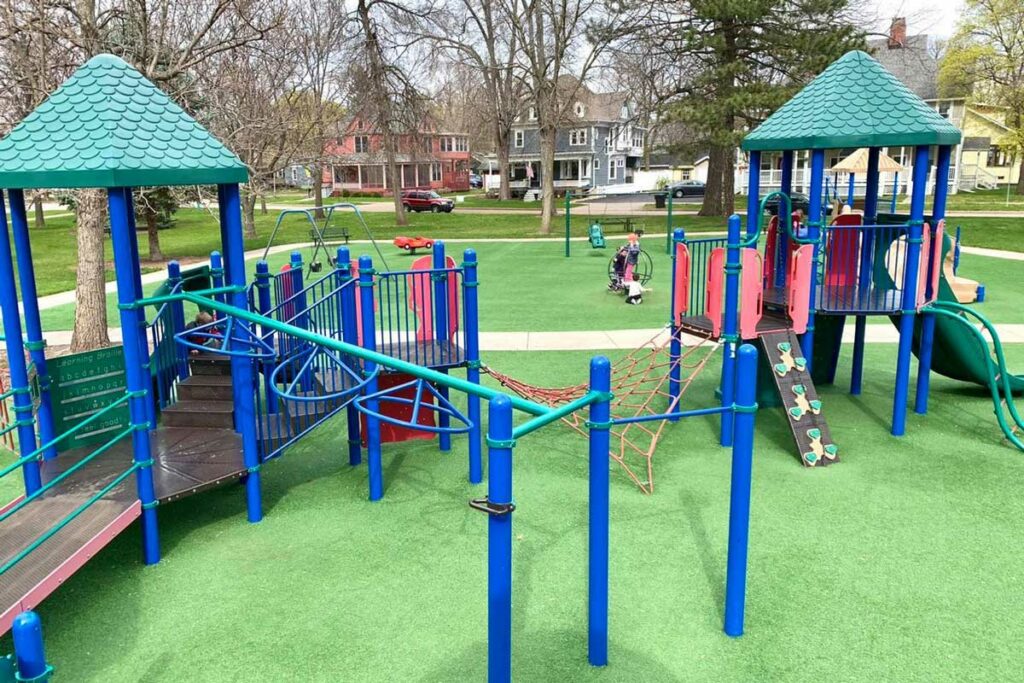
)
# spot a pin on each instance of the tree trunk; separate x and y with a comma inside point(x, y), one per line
point(396, 185)
point(317, 174)
point(714, 190)
point(1020, 176)
point(547, 178)
point(248, 214)
point(263, 204)
point(90, 284)
point(153, 232)
point(37, 204)
point(501, 146)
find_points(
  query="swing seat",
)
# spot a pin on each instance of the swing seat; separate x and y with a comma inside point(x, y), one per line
point(595, 235)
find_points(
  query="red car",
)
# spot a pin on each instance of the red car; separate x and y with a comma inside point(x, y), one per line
point(411, 244)
point(426, 200)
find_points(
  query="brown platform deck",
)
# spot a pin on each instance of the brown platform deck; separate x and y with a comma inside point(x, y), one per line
point(701, 325)
point(185, 461)
point(434, 354)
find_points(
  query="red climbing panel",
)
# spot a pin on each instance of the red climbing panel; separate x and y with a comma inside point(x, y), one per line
point(800, 272)
point(843, 251)
point(716, 280)
point(681, 300)
point(421, 298)
point(390, 433)
point(751, 293)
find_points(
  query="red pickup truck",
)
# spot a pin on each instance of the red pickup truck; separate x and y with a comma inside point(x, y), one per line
point(426, 200)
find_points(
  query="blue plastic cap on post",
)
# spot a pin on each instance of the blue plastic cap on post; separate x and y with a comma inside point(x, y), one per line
point(27, 632)
point(734, 227)
point(342, 258)
point(215, 256)
point(262, 268)
point(296, 257)
point(600, 373)
point(678, 235)
point(173, 270)
point(365, 265)
point(469, 255)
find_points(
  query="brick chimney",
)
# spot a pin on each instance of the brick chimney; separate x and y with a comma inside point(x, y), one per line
point(898, 33)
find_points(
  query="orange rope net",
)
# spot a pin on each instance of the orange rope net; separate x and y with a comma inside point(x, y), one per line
point(640, 383)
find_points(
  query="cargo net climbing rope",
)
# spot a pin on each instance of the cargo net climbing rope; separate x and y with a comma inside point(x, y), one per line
point(640, 387)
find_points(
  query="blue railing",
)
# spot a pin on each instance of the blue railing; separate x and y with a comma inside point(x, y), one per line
point(862, 269)
point(402, 332)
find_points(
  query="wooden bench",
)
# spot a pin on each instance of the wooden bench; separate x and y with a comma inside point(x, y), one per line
point(626, 223)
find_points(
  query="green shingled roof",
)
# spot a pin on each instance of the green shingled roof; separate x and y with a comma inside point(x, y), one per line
point(855, 102)
point(107, 126)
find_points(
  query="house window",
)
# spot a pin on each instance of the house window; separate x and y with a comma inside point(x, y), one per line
point(684, 175)
point(435, 172)
point(597, 164)
point(580, 110)
point(362, 143)
point(578, 136)
point(519, 141)
point(612, 170)
point(446, 144)
point(461, 145)
point(997, 156)
point(944, 109)
point(638, 138)
point(532, 114)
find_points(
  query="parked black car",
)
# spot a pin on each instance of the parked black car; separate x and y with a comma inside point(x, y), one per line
point(800, 201)
point(475, 181)
point(686, 188)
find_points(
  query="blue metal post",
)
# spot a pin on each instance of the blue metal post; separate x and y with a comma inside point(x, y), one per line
point(263, 305)
point(675, 350)
point(217, 276)
point(956, 251)
point(730, 326)
point(242, 366)
point(924, 366)
point(849, 191)
point(16, 359)
point(350, 335)
point(499, 542)
point(600, 433)
point(299, 306)
point(739, 492)
point(444, 440)
point(29, 652)
point(895, 191)
point(33, 325)
point(373, 455)
point(137, 379)
point(867, 247)
point(668, 216)
point(753, 193)
point(177, 309)
point(781, 236)
point(910, 278)
point(471, 312)
point(814, 224)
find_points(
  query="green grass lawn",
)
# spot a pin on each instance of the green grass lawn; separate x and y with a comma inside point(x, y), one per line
point(900, 563)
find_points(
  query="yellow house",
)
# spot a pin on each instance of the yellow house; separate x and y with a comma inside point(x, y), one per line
point(987, 158)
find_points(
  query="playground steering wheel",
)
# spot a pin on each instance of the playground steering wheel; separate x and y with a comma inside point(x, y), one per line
point(643, 270)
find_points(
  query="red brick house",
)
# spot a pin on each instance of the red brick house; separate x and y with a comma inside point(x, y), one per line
point(355, 161)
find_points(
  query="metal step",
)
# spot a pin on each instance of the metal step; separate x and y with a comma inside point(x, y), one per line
point(209, 364)
point(205, 388)
point(202, 414)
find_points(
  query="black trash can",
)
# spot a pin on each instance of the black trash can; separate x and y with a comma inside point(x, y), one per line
point(660, 199)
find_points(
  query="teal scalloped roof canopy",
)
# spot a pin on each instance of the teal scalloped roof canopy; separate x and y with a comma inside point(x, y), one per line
point(107, 126)
point(855, 102)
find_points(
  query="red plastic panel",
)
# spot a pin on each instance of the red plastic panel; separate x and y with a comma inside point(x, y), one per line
point(800, 273)
point(922, 269)
point(751, 293)
point(716, 283)
point(421, 297)
point(681, 302)
point(390, 433)
point(937, 258)
point(843, 251)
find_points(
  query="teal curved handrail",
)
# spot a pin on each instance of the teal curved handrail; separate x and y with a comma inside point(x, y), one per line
point(998, 376)
point(787, 225)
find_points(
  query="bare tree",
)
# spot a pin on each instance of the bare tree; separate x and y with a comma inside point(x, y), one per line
point(559, 38)
point(480, 34)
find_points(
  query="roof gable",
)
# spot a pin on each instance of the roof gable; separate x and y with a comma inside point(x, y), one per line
point(855, 102)
point(108, 126)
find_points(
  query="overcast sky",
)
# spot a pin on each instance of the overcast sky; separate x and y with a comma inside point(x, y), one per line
point(934, 17)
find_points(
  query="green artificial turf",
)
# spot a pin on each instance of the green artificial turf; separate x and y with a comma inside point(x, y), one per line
point(899, 563)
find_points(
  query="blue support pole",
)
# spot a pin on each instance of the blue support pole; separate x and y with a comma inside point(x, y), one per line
point(29, 651)
point(668, 216)
point(301, 303)
point(814, 225)
point(444, 439)
point(730, 325)
point(177, 309)
point(849, 191)
point(16, 359)
point(33, 325)
point(910, 279)
point(864, 277)
point(924, 366)
point(471, 312)
point(753, 193)
point(263, 305)
point(217, 275)
point(781, 236)
point(499, 541)
point(675, 350)
point(373, 454)
point(242, 366)
point(600, 441)
point(739, 492)
point(895, 191)
point(137, 378)
point(349, 335)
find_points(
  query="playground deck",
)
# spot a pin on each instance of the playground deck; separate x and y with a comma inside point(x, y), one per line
point(186, 461)
point(701, 325)
point(844, 299)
